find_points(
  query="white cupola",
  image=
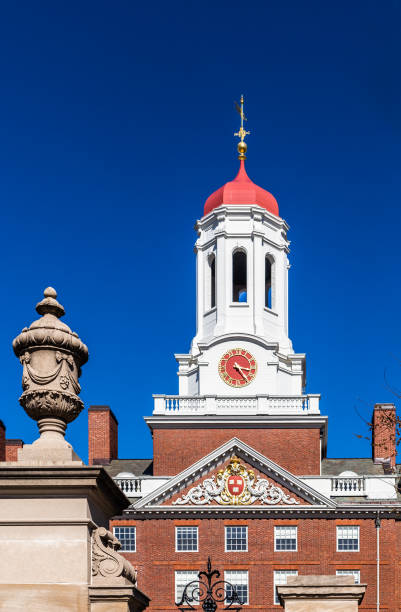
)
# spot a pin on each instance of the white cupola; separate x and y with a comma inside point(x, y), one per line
point(242, 348)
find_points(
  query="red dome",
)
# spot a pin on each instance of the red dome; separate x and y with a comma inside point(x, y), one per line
point(242, 191)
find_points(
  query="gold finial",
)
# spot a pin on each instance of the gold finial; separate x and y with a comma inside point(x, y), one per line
point(242, 146)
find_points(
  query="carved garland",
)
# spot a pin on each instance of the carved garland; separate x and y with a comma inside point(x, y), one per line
point(236, 486)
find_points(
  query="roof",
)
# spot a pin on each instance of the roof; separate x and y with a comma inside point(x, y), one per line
point(241, 191)
point(361, 466)
point(138, 467)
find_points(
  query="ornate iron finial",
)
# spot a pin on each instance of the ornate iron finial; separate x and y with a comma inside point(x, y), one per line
point(209, 593)
point(242, 133)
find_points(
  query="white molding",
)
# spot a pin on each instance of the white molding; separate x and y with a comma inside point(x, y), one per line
point(251, 456)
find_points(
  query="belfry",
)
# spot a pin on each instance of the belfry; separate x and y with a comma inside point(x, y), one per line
point(241, 368)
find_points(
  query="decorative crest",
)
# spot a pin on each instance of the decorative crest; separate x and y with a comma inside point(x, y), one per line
point(242, 133)
point(209, 593)
point(236, 485)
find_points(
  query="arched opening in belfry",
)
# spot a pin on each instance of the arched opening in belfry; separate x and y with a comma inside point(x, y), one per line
point(268, 281)
point(239, 277)
point(212, 264)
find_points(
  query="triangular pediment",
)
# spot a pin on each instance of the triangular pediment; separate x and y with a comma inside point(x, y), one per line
point(234, 475)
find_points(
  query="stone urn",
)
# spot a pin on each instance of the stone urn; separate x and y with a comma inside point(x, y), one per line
point(51, 355)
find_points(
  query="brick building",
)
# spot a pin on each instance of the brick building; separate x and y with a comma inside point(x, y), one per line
point(254, 488)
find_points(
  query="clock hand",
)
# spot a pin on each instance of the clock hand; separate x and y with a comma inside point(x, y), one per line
point(240, 370)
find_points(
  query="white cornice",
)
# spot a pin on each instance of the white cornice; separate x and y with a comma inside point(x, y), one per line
point(258, 512)
point(173, 421)
point(203, 346)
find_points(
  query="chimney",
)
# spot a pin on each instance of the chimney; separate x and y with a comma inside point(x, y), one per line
point(2, 441)
point(384, 434)
point(12, 447)
point(103, 435)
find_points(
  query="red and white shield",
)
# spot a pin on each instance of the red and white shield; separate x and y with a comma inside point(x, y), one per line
point(235, 485)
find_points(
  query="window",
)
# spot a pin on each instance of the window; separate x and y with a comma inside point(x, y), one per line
point(236, 538)
point(239, 580)
point(347, 538)
point(355, 573)
point(268, 282)
point(239, 277)
point(182, 578)
point(212, 264)
point(280, 577)
point(186, 539)
point(285, 538)
point(127, 537)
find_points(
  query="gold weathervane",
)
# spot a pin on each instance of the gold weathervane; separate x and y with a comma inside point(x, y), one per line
point(242, 146)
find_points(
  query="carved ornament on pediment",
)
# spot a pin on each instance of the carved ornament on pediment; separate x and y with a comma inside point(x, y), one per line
point(236, 485)
point(107, 563)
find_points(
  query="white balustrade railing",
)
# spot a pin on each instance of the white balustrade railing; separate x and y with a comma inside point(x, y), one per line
point(348, 486)
point(130, 486)
point(259, 404)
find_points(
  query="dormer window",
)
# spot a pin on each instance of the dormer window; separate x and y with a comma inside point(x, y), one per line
point(239, 277)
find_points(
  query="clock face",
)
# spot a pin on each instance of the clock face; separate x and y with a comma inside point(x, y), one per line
point(237, 367)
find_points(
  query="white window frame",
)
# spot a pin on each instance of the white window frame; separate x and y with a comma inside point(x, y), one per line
point(289, 572)
point(176, 538)
point(228, 577)
point(356, 573)
point(277, 528)
point(194, 574)
point(349, 550)
point(226, 527)
point(133, 528)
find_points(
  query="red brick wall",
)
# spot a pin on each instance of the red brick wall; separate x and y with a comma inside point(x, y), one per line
point(12, 447)
point(156, 559)
point(383, 434)
point(2, 441)
point(296, 450)
point(102, 435)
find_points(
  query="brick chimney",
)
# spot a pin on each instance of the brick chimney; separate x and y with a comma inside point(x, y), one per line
point(12, 446)
point(103, 435)
point(2, 441)
point(383, 434)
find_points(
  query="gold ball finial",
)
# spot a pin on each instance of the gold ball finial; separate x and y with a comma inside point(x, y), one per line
point(242, 147)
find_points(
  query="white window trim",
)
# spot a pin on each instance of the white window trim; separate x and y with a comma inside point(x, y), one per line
point(349, 572)
point(353, 550)
point(130, 527)
point(225, 539)
point(197, 539)
point(274, 583)
point(296, 539)
point(188, 581)
point(247, 584)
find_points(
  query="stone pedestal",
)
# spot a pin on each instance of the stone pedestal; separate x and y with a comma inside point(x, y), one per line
point(317, 593)
point(54, 541)
point(56, 552)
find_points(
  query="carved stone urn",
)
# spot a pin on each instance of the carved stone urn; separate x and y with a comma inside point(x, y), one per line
point(52, 356)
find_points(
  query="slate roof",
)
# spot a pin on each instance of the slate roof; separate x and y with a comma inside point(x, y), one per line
point(138, 467)
point(362, 467)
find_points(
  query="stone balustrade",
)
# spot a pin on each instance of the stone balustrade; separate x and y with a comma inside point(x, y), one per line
point(371, 487)
point(213, 404)
point(351, 486)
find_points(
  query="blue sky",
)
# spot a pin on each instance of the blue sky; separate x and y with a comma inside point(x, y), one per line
point(116, 123)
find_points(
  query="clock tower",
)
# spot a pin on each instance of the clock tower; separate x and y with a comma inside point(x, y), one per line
point(241, 368)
